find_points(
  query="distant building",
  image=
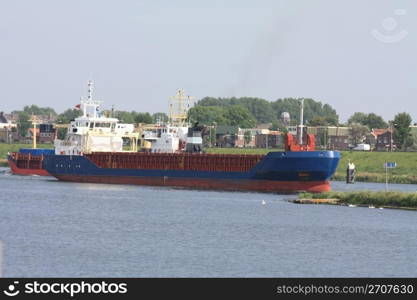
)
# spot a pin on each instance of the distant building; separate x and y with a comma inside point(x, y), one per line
point(338, 138)
point(5, 122)
point(273, 139)
point(12, 117)
point(253, 132)
point(233, 136)
point(372, 137)
point(8, 130)
point(264, 126)
point(385, 141)
point(226, 136)
point(45, 134)
point(29, 135)
point(331, 137)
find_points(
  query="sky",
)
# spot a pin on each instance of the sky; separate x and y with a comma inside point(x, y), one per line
point(354, 55)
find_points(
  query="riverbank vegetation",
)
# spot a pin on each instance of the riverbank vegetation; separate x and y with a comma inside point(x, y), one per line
point(369, 166)
point(368, 198)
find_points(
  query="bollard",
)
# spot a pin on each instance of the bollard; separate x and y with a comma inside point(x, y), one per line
point(350, 173)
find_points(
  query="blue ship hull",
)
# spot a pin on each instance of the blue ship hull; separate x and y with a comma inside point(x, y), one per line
point(275, 172)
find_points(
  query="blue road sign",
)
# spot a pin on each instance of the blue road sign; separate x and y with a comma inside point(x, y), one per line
point(390, 165)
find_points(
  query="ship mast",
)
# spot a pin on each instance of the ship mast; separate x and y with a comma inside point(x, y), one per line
point(300, 136)
point(90, 106)
point(178, 108)
point(90, 90)
point(35, 121)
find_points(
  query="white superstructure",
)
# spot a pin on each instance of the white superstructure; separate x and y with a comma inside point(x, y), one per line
point(93, 132)
point(173, 136)
point(172, 139)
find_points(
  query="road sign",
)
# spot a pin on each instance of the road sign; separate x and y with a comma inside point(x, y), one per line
point(390, 165)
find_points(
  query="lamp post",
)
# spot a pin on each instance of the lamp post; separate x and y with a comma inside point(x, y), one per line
point(392, 125)
point(34, 123)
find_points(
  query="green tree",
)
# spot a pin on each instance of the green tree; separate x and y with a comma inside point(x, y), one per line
point(312, 110)
point(358, 133)
point(318, 121)
point(159, 117)
point(213, 135)
point(36, 110)
point(125, 116)
point(247, 137)
point(402, 122)
point(23, 123)
point(61, 133)
point(264, 111)
point(239, 115)
point(145, 118)
point(207, 115)
point(371, 120)
point(68, 116)
point(413, 141)
point(375, 121)
point(259, 108)
point(358, 118)
point(278, 125)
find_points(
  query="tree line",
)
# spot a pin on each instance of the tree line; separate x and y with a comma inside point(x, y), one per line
point(247, 112)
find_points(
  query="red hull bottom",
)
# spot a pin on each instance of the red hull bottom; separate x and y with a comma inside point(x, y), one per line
point(20, 171)
point(215, 184)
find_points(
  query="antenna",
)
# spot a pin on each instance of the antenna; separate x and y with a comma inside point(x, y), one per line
point(90, 107)
point(90, 90)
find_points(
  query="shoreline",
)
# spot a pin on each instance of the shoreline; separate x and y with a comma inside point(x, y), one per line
point(379, 199)
point(378, 178)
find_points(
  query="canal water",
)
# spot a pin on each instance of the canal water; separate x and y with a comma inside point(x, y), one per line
point(56, 229)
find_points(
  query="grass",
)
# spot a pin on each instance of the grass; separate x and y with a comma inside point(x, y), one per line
point(369, 166)
point(380, 199)
point(4, 148)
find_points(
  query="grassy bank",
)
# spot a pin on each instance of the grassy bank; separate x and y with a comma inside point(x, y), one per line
point(377, 199)
point(369, 166)
point(4, 148)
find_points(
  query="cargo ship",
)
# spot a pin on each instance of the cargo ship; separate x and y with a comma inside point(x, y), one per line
point(28, 161)
point(176, 159)
point(284, 172)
